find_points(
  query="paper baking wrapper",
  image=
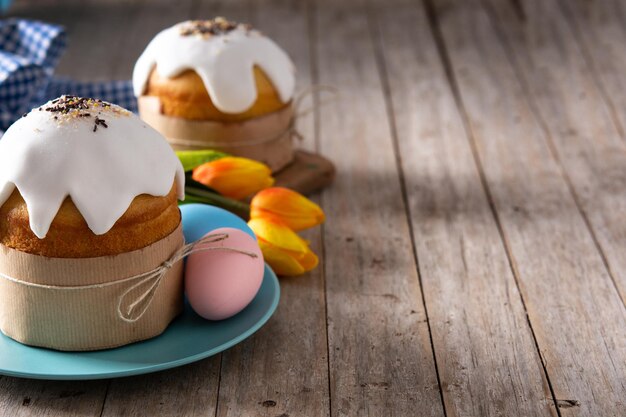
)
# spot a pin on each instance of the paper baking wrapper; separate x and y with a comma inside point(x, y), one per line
point(267, 138)
point(86, 319)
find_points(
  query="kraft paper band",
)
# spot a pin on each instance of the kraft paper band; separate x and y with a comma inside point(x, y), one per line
point(266, 138)
point(87, 319)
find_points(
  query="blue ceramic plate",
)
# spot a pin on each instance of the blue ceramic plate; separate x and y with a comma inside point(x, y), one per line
point(188, 339)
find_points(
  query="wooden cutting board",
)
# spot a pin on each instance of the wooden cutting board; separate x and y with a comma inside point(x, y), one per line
point(308, 173)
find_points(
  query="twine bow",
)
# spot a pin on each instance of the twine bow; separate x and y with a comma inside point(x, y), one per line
point(155, 276)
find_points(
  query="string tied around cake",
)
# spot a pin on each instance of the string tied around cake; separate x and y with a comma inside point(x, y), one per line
point(291, 129)
point(139, 306)
point(134, 309)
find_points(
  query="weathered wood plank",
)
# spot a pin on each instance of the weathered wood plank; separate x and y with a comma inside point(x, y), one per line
point(570, 106)
point(187, 391)
point(283, 370)
point(25, 397)
point(575, 310)
point(486, 356)
point(594, 149)
point(591, 148)
point(600, 28)
point(381, 359)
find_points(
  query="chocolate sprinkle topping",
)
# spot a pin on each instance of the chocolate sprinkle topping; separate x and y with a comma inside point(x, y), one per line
point(75, 106)
point(208, 28)
point(100, 122)
point(67, 103)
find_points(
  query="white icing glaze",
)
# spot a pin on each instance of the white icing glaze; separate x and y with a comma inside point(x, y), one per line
point(102, 171)
point(224, 62)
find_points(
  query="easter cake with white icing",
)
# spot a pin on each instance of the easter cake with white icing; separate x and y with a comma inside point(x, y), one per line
point(215, 70)
point(82, 178)
point(88, 219)
point(218, 84)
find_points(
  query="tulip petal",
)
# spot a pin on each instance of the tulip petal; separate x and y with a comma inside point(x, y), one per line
point(288, 206)
point(234, 177)
point(309, 260)
point(281, 261)
point(278, 235)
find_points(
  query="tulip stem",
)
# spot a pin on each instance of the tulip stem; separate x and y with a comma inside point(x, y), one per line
point(197, 195)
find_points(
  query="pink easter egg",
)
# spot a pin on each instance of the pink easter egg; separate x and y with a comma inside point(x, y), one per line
point(221, 283)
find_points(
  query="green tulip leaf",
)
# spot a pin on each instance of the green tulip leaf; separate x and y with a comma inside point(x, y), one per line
point(193, 159)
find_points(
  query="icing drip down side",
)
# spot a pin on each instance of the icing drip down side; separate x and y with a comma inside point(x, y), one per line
point(223, 54)
point(97, 153)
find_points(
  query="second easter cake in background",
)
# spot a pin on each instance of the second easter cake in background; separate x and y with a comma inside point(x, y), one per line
point(218, 84)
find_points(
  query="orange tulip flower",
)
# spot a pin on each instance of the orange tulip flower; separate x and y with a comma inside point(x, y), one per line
point(286, 206)
point(234, 177)
point(286, 252)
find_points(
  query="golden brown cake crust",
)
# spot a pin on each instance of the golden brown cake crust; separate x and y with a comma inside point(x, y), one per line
point(147, 220)
point(185, 96)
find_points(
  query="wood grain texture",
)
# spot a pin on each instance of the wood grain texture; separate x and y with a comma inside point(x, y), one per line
point(600, 29)
point(486, 369)
point(597, 158)
point(574, 308)
point(187, 391)
point(283, 370)
point(569, 104)
point(24, 397)
point(381, 359)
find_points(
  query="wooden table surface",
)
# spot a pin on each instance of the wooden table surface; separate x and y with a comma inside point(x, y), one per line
point(474, 256)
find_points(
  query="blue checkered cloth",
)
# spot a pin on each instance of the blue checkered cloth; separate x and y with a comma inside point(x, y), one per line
point(29, 54)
